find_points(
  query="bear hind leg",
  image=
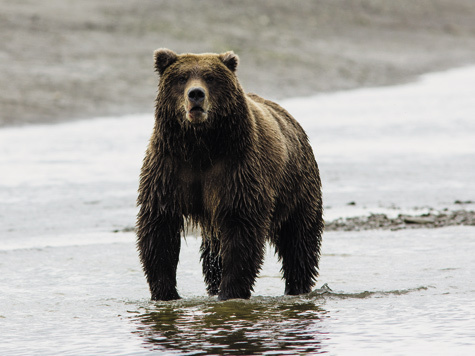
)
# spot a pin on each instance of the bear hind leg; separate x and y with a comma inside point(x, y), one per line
point(212, 264)
point(298, 247)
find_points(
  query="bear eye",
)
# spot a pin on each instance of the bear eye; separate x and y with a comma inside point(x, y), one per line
point(209, 79)
point(182, 80)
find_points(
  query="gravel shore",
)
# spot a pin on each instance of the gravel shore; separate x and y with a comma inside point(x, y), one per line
point(63, 59)
point(433, 219)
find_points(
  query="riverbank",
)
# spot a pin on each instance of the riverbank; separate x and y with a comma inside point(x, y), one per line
point(64, 60)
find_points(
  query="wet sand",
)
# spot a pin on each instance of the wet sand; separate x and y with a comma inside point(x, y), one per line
point(65, 60)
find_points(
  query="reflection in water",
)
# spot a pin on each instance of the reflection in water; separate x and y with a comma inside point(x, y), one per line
point(203, 326)
point(261, 325)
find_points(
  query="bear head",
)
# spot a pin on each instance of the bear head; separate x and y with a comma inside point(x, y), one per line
point(197, 88)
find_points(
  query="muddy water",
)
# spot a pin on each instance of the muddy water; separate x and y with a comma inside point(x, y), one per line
point(397, 293)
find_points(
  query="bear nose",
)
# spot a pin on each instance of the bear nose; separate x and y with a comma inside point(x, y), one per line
point(196, 95)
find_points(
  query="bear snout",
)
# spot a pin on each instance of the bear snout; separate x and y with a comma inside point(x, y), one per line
point(196, 105)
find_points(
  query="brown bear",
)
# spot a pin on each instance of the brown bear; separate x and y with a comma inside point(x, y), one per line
point(234, 164)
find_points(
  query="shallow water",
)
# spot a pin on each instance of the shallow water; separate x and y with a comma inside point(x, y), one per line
point(404, 292)
point(69, 285)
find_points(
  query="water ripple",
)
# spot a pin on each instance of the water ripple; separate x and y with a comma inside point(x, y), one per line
point(327, 291)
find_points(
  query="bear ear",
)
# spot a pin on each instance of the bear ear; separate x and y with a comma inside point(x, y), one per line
point(230, 60)
point(163, 58)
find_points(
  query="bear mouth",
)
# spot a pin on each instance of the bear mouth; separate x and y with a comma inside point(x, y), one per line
point(196, 115)
point(197, 109)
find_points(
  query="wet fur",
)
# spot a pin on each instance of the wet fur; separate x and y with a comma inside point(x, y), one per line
point(245, 175)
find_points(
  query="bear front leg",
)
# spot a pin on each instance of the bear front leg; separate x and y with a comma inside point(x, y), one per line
point(212, 265)
point(242, 253)
point(159, 247)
